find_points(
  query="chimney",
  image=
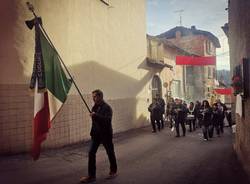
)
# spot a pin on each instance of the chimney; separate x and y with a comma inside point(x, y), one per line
point(178, 35)
point(193, 27)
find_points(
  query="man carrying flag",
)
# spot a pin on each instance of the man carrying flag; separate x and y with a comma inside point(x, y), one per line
point(50, 85)
point(51, 88)
point(101, 133)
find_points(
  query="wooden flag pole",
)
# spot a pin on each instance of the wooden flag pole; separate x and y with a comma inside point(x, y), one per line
point(31, 8)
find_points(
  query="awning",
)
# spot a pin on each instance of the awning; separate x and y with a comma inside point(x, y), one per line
point(194, 60)
point(223, 91)
point(157, 63)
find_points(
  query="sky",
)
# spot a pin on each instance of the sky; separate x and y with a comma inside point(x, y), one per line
point(207, 15)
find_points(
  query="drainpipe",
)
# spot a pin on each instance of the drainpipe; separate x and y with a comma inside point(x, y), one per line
point(184, 80)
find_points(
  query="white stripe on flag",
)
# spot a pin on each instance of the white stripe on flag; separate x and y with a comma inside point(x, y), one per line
point(38, 100)
point(54, 105)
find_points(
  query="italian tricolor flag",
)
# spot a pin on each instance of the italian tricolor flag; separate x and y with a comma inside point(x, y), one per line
point(51, 88)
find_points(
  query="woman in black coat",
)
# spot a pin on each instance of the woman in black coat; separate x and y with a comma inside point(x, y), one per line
point(191, 117)
point(215, 119)
point(198, 116)
point(206, 113)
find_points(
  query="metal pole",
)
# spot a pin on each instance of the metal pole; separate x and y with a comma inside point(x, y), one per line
point(31, 8)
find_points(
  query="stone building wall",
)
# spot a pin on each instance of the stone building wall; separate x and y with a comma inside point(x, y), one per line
point(239, 44)
point(202, 83)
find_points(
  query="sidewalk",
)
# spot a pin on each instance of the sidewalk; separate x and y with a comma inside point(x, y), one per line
point(142, 158)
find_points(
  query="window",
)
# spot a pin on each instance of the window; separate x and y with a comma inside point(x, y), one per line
point(214, 73)
point(208, 47)
point(210, 73)
point(176, 88)
point(190, 75)
point(156, 86)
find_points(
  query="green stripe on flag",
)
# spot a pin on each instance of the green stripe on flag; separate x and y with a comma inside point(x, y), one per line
point(56, 80)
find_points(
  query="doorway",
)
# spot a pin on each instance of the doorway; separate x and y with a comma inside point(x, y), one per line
point(156, 86)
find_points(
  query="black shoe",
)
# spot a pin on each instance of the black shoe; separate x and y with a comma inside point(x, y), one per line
point(177, 136)
point(111, 175)
point(87, 179)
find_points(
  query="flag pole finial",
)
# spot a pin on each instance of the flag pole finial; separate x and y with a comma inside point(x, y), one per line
point(30, 6)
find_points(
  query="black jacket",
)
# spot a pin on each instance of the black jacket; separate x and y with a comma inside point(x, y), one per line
point(215, 116)
point(170, 108)
point(101, 121)
point(162, 104)
point(206, 115)
point(179, 112)
point(155, 110)
point(222, 110)
point(197, 113)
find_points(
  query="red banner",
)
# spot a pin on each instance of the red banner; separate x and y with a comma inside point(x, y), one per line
point(194, 60)
point(223, 91)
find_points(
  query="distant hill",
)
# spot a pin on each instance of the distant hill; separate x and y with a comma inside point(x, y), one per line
point(224, 76)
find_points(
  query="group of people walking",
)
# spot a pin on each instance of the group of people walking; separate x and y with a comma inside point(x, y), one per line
point(178, 113)
point(212, 117)
point(198, 115)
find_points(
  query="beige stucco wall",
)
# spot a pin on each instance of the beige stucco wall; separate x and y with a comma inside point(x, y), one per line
point(102, 46)
point(93, 39)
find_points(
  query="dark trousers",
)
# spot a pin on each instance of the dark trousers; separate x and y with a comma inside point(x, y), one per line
point(208, 131)
point(109, 147)
point(177, 125)
point(211, 131)
point(162, 122)
point(217, 128)
point(191, 124)
point(229, 119)
point(171, 120)
point(153, 121)
point(199, 122)
point(221, 125)
point(205, 130)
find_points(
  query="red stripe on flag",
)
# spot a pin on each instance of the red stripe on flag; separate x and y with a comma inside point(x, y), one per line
point(223, 91)
point(41, 125)
point(193, 60)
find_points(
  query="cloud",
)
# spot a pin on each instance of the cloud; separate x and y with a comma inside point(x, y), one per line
point(151, 24)
point(172, 2)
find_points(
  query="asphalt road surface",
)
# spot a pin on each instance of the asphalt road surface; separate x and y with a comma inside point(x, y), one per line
point(143, 158)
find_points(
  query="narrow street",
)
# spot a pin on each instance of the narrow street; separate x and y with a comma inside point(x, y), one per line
point(142, 157)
